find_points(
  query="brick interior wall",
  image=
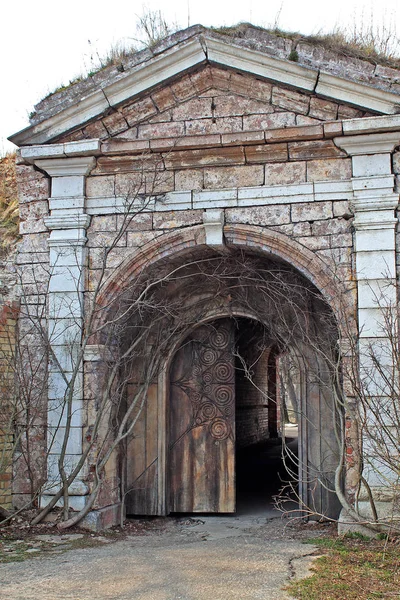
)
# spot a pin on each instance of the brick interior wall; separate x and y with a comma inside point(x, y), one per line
point(251, 393)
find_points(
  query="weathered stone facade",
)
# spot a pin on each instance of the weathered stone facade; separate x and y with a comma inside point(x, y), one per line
point(223, 142)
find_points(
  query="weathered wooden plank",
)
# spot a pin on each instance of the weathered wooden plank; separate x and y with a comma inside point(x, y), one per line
point(202, 422)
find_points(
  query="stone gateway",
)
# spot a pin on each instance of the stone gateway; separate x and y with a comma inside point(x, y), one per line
point(208, 247)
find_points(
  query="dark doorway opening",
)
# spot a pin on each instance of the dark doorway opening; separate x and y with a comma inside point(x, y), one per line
point(264, 433)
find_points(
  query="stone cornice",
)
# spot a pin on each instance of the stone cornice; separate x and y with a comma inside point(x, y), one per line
point(371, 143)
point(371, 124)
point(189, 55)
point(357, 94)
point(257, 63)
point(177, 60)
point(67, 167)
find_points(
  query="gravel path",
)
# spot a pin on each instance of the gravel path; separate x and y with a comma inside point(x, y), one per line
point(212, 558)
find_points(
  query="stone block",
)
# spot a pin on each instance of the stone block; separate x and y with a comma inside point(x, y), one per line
point(331, 169)
point(301, 229)
point(121, 147)
point(67, 186)
point(243, 137)
point(226, 177)
point(315, 242)
point(115, 123)
point(100, 186)
point(196, 108)
point(220, 78)
point(122, 164)
point(104, 239)
point(266, 153)
point(34, 210)
point(189, 179)
point(323, 109)
point(32, 184)
point(290, 100)
point(333, 226)
point(174, 219)
point(190, 142)
point(102, 223)
point(370, 165)
point(139, 111)
point(215, 198)
point(307, 132)
point(135, 221)
point(387, 73)
point(259, 215)
point(183, 89)
point(130, 185)
point(314, 150)
point(341, 208)
point(332, 130)
point(240, 83)
point(285, 173)
point(34, 243)
point(163, 117)
point(348, 112)
point(95, 130)
point(311, 211)
point(303, 120)
point(209, 126)
point(129, 134)
point(376, 265)
point(202, 79)
point(138, 239)
point(261, 90)
point(372, 294)
point(231, 105)
point(375, 239)
point(161, 130)
point(273, 120)
point(198, 158)
point(164, 99)
point(32, 226)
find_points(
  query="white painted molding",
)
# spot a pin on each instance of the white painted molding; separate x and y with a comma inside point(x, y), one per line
point(177, 60)
point(358, 94)
point(232, 197)
point(258, 63)
point(67, 167)
point(72, 221)
point(372, 143)
point(81, 148)
point(88, 108)
point(213, 220)
point(371, 124)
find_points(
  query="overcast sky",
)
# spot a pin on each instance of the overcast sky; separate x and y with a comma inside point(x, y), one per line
point(45, 43)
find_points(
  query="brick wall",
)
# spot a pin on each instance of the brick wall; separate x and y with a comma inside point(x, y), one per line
point(8, 316)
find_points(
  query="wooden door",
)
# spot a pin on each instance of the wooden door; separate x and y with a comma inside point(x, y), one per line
point(201, 449)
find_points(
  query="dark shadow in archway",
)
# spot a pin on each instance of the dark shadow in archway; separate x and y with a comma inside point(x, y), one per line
point(262, 431)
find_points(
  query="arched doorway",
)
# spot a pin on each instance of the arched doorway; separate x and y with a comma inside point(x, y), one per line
point(182, 455)
point(235, 412)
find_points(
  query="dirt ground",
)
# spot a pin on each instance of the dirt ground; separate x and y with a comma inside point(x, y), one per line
point(206, 558)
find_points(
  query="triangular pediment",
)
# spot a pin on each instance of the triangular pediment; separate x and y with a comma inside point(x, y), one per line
point(191, 54)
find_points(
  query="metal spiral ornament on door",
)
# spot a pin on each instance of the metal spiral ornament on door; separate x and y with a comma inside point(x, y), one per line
point(202, 412)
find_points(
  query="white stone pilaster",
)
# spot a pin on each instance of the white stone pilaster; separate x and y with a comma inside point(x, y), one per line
point(375, 202)
point(67, 224)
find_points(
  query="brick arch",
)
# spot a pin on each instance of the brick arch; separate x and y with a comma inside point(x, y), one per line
point(264, 241)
